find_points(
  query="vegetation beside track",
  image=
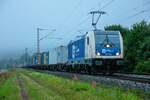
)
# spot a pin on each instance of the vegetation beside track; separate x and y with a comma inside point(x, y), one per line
point(41, 86)
point(9, 89)
point(64, 89)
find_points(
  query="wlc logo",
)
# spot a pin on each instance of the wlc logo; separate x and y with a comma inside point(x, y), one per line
point(107, 51)
point(75, 51)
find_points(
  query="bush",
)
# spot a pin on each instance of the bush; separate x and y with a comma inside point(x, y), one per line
point(143, 66)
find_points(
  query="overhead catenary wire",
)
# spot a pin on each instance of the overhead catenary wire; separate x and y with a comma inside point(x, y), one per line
point(136, 14)
point(107, 4)
point(104, 6)
point(97, 4)
point(82, 22)
point(135, 9)
point(144, 4)
point(88, 10)
point(69, 16)
point(47, 34)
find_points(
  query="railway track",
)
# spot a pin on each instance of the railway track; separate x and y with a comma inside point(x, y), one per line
point(132, 78)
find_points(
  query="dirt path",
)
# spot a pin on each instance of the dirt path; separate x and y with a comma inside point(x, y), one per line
point(23, 93)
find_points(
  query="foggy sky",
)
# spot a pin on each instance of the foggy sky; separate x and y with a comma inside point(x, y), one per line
point(20, 18)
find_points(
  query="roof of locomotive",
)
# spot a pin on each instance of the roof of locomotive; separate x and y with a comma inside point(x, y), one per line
point(77, 38)
point(97, 32)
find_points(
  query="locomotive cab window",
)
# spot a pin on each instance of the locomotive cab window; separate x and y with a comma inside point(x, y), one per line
point(112, 40)
point(88, 40)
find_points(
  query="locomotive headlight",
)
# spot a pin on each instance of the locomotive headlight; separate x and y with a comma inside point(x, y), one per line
point(107, 45)
point(98, 53)
point(117, 54)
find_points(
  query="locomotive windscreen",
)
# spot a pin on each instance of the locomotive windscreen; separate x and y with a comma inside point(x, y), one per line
point(107, 43)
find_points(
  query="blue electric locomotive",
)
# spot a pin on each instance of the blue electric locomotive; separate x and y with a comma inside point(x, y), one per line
point(101, 51)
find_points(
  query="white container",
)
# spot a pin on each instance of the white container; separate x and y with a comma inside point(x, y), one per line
point(53, 56)
point(58, 55)
point(62, 54)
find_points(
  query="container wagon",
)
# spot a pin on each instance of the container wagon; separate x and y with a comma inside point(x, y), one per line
point(45, 58)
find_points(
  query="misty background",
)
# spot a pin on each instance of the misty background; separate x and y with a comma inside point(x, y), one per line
point(19, 20)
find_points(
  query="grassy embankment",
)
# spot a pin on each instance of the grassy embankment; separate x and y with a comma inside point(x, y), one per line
point(40, 86)
point(9, 89)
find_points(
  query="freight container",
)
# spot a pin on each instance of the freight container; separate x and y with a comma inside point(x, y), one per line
point(58, 55)
point(42, 59)
point(45, 58)
point(62, 54)
point(53, 56)
point(35, 60)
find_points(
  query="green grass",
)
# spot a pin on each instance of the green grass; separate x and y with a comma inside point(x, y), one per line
point(41, 86)
point(75, 90)
point(36, 91)
point(9, 89)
